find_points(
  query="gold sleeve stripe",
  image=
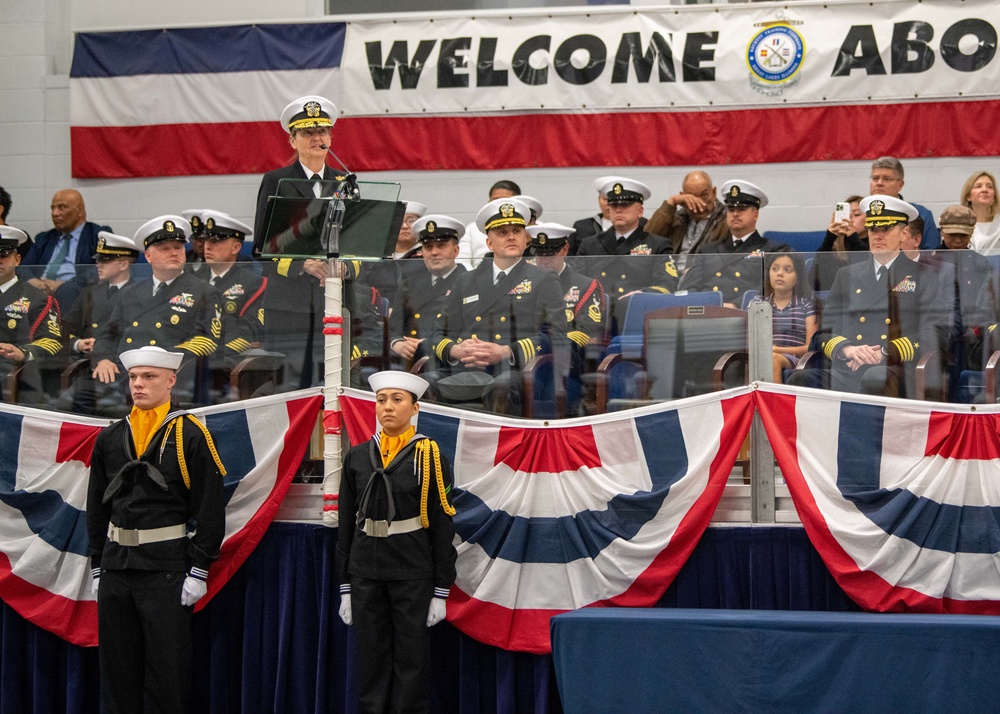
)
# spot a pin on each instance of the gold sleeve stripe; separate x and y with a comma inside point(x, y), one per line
point(48, 344)
point(905, 348)
point(671, 269)
point(238, 345)
point(283, 265)
point(831, 345)
point(260, 316)
point(441, 347)
point(658, 289)
point(578, 337)
point(355, 352)
point(201, 346)
point(527, 346)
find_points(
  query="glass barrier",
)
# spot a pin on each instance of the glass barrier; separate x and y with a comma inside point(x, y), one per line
point(564, 338)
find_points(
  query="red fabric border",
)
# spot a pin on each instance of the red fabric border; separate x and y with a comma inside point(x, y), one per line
point(705, 138)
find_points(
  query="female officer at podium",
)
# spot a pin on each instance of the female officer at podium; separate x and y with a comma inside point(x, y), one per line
point(395, 557)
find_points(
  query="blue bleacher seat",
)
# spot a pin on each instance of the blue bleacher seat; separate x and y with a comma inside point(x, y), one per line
point(629, 340)
point(799, 241)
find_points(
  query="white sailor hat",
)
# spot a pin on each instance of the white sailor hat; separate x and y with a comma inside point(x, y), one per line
point(624, 190)
point(600, 181)
point(307, 112)
point(194, 217)
point(533, 204)
point(743, 193)
point(151, 357)
point(397, 379)
point(112, 245)
point(162, 228)
point(503, 212)
point(415, 209)
point(10, 239)
point(548, 238)
point(217, 225)
point(437, 227)
point(886, 211)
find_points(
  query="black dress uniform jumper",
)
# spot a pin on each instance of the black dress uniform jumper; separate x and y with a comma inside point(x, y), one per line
point(392, 578)
point(144, 631)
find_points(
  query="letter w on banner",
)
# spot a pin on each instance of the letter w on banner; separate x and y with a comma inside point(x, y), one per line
point(900, 498)
point(596, 512)
point(44, 466)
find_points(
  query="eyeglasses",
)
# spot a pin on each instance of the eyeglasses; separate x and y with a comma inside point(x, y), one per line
point(884, 178)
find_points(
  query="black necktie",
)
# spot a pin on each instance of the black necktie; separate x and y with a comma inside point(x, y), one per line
point(316, 177)
point(501, 279)
point(112, 290)
point(159, 288)
point(881, 273)
point(211, 280)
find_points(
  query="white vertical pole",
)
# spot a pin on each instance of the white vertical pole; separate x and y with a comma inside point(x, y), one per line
point(333, 331)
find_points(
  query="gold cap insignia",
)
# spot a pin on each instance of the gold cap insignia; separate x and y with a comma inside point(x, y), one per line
point(507, 210)
point(312, 109)
point(210, 223)
point(734, 191)
point(168, 226)
point(431, 227)
point(876, 208)
point(541, 238)
point(100, 244)
point(617, 189)
point(195, 221)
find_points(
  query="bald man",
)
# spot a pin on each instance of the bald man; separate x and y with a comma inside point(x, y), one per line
point(690, 219)
point(54, 258)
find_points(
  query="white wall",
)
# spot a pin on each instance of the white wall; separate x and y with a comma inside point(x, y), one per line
point(35, 46)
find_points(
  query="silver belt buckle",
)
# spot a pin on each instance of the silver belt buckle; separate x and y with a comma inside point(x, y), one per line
point(125, 537)
point(376, 529)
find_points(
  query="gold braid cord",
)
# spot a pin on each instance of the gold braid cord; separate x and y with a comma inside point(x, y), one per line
point(179, 438)
point(424, 450)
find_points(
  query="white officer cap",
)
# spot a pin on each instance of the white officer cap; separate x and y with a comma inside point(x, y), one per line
point(437, 227)
point(886, 211)
point(307, 112)
point(548, 238)
point(743, 193)
point(624, 190)
point(10, 239)
point(601, 181)
point(160, 229)
point(114, 245)
point(503, 212)
point(217, 225)
point(533, 204)
point(151, 357)
point(396, 379)
point(414, 208)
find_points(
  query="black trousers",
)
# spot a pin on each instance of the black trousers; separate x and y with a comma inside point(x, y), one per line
point(144, 638)
point(391, 621)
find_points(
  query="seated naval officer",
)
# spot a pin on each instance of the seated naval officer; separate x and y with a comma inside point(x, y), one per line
point(636, 261)
point(29, 319)
point(497, 317)
point(386, 276)
point(735, 264)
point(583, 299)
point(422, 295)
point(883, 314)
point(195, 255)
point(172, 309)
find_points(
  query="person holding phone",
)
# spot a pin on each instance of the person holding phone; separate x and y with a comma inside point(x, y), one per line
point(845, 235)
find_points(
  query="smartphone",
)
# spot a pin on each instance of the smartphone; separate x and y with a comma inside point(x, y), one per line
point(842, 212)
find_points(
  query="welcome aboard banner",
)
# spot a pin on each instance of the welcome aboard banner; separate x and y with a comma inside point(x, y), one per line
point(750, 84)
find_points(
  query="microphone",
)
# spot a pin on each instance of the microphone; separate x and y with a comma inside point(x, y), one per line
point(350, 179)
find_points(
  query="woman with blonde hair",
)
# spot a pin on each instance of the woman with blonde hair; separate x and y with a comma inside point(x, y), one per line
point(979, 193)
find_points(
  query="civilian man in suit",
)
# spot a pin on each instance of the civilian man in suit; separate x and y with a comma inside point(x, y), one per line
point(294, 300)
point(497, 317)
point(56, 254)
point(736, 264)
point(423, 294)
point(883, 314)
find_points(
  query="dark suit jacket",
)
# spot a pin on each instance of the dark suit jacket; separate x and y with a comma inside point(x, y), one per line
point(723, 267)
point(41, 251)
point(418, 305)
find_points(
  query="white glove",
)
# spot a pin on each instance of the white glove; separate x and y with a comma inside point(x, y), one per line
point(436, 612)
point(345, 610)
point(193, 591)
point(95, 586)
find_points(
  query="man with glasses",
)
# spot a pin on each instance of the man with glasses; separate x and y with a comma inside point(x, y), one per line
point(690, 219)
point(887, 179)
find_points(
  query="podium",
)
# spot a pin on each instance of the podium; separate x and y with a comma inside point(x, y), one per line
point(298, 224)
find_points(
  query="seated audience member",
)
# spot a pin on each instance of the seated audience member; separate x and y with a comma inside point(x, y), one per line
point(387, 275)
point(240, 291)
point(195, 255)
point(59, 256)
point(632, 260)
point(845, 242)
point(422, 295)
point(472, 247)
point(30, 326)
point(690, 219)
point(172, 309)
point(883, 314)
point(734, 265)
point(598, 223)
point(887, 178)
point(793, 316)
point(497, 317)
point(980, 194)
point(583, 299)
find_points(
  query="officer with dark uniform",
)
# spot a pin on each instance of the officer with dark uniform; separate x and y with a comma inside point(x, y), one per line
point(498, 316)
point(29, 319)
point(735, 264)
point(883, 314)
point(583, 297)
point(422, 296)
point(636, 261)
point(195, 256)
point(156, 520)
point(241, 291)
point(114, 257)
point(172, 309)
point(387, 276)
point(395, 557)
